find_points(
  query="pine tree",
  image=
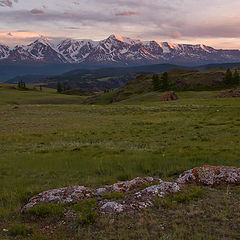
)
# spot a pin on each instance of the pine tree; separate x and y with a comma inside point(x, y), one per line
point(228, 77)
point(59, 87)
point(156, 82)
point(236, 78)
point(165, 81)
point(21, 85)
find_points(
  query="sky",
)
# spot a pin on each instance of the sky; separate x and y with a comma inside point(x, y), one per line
point(210, 22)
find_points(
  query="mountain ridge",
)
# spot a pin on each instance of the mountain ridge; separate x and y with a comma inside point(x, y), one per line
point(115, 51)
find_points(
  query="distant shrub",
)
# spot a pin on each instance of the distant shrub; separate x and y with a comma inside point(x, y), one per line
point(140, 91)
point(20, 230)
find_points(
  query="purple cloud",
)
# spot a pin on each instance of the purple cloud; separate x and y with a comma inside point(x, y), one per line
point(127, 14)
point(6, 3)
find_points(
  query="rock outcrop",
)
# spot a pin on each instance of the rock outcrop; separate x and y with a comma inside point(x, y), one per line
point(72, 194)
point(229, 93)
point(126, 186)
point(136, 196)
point(170, 96)
point(139, 200)
point(76, 194)
point(210, 175)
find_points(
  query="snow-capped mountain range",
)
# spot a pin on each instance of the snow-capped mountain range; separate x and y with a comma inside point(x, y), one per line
point(115, 50)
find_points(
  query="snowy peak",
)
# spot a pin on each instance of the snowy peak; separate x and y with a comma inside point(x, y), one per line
point(4, 51)
point(115, 50)
point(127, 40)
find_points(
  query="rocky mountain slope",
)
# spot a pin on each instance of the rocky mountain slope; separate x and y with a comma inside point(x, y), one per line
point(115, 51)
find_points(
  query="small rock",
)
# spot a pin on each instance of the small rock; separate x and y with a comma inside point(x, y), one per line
point(111, 221)
point(112, 207)
point(229, 93)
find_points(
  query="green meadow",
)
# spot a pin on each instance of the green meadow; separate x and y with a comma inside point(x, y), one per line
point(50, 140)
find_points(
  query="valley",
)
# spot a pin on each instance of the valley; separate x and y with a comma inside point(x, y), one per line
point(50, 140)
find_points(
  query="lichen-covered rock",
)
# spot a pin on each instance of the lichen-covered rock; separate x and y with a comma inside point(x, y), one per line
point(135, 198)
point(61, 195)
point(210, 175)
point(229, 93)
point(126, 186)
point(133, 184)
point(143, 198)
point(170, 96)
point(78, 193)
point(111, 208)
point(159, 190)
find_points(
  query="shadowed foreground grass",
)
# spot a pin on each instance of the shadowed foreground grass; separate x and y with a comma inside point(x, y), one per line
point(44, 146)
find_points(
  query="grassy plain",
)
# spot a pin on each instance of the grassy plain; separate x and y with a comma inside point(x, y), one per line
point(52, 140)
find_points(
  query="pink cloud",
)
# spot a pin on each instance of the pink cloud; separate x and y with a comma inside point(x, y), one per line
point(36, 11)
point(127, 14)
point(176, 35)
point(6, 3)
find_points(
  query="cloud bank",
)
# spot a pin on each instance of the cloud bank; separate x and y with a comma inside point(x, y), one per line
point(212, 22)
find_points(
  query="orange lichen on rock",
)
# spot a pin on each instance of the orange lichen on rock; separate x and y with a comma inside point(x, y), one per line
point(211, 175)
point(136, 197)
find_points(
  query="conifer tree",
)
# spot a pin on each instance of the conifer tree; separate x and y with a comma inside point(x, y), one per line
point(236, 78)
point(59, 87)
point(228, 77)
point(165, 81)
point(156, 82)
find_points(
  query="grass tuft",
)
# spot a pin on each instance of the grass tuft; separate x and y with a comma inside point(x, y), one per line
point(46, 210)
point(20, 230)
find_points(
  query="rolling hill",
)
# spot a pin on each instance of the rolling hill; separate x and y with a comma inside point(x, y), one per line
point(180, 79)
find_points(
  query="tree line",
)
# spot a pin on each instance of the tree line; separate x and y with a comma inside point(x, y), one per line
point(231, 78)
point(161, 83)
